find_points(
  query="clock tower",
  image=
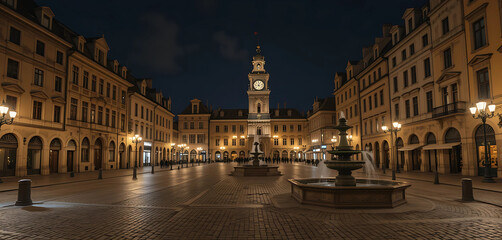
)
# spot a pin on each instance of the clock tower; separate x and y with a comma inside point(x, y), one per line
point(258, 97)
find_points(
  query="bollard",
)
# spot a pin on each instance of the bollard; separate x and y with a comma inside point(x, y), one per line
point(72, 174)
point(393, 174)
point(436, 178)
point(153, 169)
point(100, 174)
point(467, 190)
point(178, 167)
point(134, 177)
point(1, 180)
point(24, 193)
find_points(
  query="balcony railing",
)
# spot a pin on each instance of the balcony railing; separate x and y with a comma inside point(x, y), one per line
point(452, 108)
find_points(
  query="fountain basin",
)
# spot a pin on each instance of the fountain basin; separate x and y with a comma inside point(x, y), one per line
point(256, 171)
point(368, 193)
point(348, 165)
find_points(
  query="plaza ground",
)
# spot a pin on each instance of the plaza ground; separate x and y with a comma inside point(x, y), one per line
point(204, 202)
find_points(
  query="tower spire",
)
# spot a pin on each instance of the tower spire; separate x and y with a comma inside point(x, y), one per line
point(258, 49)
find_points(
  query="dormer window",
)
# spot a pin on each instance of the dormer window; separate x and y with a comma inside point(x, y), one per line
point(81, 47)
point(101, 56)
point(195, 109)
point(376, 53)
point(46, 21)
point(395, 38)
point(410, 25)
point(143, 90)
point(124, 73)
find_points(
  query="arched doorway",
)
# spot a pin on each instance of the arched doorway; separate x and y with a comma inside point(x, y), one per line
point(129, 157)
point(431, 154)
point(34, 160)
point(121, 155)
point(217, 156)
point(54, 150)
point(452, 135)
point(292, 155)
point(284, 154)
point(111, 152)
point(492, 149)
point(276, 154)
point(242, 154)
point(377, 154)
point(400, 155)
point(233, 155)
point(70, 155)
point(386, 155)
point(225, 156)
point(8, 155)
point(416, 160)
point(193, 155)
point(98, 154)
point(84, 151)
point(166, 154)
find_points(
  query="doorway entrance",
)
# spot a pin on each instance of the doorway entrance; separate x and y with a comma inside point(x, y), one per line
point(54, 150)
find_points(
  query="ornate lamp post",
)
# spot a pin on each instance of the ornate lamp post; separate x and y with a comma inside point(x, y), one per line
point(136, 139)
point(396, 127)
point(199, 151)
point(483, 115)
point(186, 149)
point(349, 138)
point(4, 118)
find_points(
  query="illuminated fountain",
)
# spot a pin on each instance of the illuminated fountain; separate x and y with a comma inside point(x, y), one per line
point(256, 169)
point(345, 191)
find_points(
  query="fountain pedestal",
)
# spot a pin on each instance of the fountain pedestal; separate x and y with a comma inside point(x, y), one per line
point(256, 169)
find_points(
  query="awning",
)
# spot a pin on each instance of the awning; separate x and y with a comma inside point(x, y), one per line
point(410, 147)
point(440, 146)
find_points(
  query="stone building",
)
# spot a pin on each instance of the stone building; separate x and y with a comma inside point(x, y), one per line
point(321, 120)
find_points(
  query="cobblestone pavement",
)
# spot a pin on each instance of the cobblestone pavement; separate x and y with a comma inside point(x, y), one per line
point(204, 202)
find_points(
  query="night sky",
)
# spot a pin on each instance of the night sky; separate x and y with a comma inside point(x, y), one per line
point(203, 48)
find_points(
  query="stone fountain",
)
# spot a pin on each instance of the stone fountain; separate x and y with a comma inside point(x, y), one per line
point(345, 191)
point(256, 169)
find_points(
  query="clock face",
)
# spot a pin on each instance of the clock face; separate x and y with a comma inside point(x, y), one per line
point(258, 85)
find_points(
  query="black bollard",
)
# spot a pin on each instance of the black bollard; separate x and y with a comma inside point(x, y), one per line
point(467, 190)
point(436, 178)
point(100, 174)
point(24, 193)
point(72, 174)
point(134, 174)
point(393, 174)
point(153, 168)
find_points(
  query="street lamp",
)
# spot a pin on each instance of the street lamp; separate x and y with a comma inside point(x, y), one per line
point(136, 139)
point(349, 138)
point(396, 127)
point(483, 115)
point(4, 118)
point(199, 150)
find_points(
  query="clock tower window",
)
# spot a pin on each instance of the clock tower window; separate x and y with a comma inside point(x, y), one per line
point(258, 108)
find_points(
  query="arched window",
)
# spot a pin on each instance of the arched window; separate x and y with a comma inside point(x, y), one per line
point(258, 131)
point(258, 108)
point(34, 156)
point(111, 150)
point(85, 150)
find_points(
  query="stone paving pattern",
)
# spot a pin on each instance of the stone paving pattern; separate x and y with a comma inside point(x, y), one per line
point(204, 202)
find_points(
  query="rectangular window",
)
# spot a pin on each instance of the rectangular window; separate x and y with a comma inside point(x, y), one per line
point(241, 128)
point(284, 128)
point(356, 111)
point(217, 142)
point(59, 57)
point(114, 93)
point(407, 108)
point(415, 106)
point(276, 142)
point(396, 87)
point(93, 115)
point(123, 97)
point(369, 103)
point(108, 88)
point(135, 109)
point(11, 102)
point(413, 74)
point(57, 114)
point(364, 105)
point(40, 50)
point(225, 142)
point(142, 112)
point(192, 124)
point(429, 101)
point(284, 141)
point(276, 128)
point(93, 84)
point(15, 36)
point(299, 141)
point(396, 111)
point(292, 141)
point(201, 125)
point(403, 55)
point(291, 128)
point(427, 67)
point(393, 61)
point(234, 128)
point(454, 93)
point(13, 69)
point(85, 80)
point(100, 116)
point(381, 97)
point(122, 122)
point(107, 118)
point(57, 84)
point(39, 77)
point(447, 58)
point(101, 86)
point(242, 142)
point(85, 109)
point(201, 138)
point(234, 142)
point(191, 138)
point(425, 40)
point(37, 110)
point(299, 128)
point(479, 33)
point(412, 49)
point(217, 128)
point(446, 25)
point(375, 100)
point(75, 75)
point(405, 78)
point(225, 128)
point(73, 109)
point(483, 84)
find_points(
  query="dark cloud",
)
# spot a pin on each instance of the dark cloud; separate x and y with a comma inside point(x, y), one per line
point(156, 47)
point(229, 47)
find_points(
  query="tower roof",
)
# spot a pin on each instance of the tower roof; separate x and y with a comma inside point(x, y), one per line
point(258, 55)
